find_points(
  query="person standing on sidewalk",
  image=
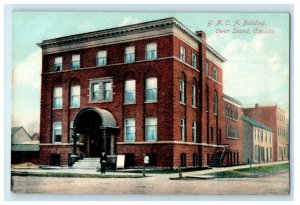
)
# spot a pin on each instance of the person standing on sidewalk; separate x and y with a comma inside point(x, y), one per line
point(103, 161)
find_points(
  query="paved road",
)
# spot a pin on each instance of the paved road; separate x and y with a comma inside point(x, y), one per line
point(158, 184)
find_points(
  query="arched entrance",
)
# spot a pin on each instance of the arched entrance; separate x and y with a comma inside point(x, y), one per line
point(97, 129)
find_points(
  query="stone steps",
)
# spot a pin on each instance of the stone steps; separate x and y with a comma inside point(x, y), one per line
point(87, 163)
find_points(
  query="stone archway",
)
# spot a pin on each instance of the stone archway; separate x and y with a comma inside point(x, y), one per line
point(97, 128)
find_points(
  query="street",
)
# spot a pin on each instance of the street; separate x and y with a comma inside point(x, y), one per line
point(158, 184)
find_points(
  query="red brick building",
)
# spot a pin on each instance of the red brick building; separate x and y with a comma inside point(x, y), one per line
point(152, 88)
point(273, 117)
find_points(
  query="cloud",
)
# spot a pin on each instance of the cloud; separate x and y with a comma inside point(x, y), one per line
point(28, 72)
point(129, 20)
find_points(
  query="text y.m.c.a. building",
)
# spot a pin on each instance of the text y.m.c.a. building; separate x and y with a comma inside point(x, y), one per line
point(151, 88)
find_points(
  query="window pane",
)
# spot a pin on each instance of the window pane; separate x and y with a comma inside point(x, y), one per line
point(151, 89)
point(151, 49)
point(57, 97)
point(130, 130)
point(129, 50)
point(58, 60)
point(151, 46)
point(107, 90)
point(101, 54)
point(151, 129)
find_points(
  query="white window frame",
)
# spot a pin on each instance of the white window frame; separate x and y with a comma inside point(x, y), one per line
point(194, 60)
point(182, 53)
point(75, 58)
point(149, 89)
point(153, 125)
point(57, 96)
point(129, 54)
point(58, 64)
point(54, 129)
point(151, 49)
point(182, 129)
point(126, 90)
point(102, 58)
point(215, 74)
point(182, 90)
point(101, 93)
point(206, 68)
point(194, 131)
point(74, 96)
point(128, 125)
point(194, 95)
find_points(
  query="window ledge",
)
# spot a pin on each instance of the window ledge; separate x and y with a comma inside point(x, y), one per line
point(74, 107)
point(57, 108)
point(232, 138)
point(149, 102)
point(182, 103)
point(194, 107)
point(129, 103)
point(103, 101)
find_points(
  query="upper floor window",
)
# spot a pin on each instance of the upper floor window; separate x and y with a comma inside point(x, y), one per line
point(75, 96)
point(194, 95)
point(206, 68)
point(215, 103)
point(212, 134)
point(182, 88)
point(102, 58)
point(215, 74)
point(151, 129)
point(151, 51)
point(129, 130)
point(129, 54)
point(75, 61)
point(56, 132)
point(182, 129)
point(194, 60)
point(57, 64)
point(206, 99)
point(151, 89)
point(101, 89)
point(194, 131)
point(130, 91)
point(57, 97)
point(182, 53)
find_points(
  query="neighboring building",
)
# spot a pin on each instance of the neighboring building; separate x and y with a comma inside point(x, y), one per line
point(152, 88)
point(257, 141)
point(233, 130)
point(23, 148)
point(273, 117)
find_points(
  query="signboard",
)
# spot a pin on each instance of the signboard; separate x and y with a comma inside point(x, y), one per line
point(146, 159)
point(120, 161)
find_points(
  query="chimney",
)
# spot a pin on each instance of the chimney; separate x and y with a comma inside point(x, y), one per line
point(256, 105)
point(201, 34)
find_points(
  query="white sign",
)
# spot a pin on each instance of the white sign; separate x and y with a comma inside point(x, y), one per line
point(120, 161)
point(146, 159)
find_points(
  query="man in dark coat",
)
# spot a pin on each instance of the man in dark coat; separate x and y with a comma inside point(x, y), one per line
point(103, 161)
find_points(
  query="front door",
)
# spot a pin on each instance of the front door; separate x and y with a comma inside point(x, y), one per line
point(94, 145)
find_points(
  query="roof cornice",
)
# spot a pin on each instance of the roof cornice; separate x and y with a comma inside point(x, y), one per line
point(125, 30)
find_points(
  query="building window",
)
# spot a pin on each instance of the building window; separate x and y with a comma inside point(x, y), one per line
point(212, 133)
point(215, 74)
point(101, 90)
point(182, 53)
point(206, 68)
point(56, 134)
point(183, 160)
point(151, 89)
point(206, 99)
point(194, 129)
point(215, 103)
point(182, 88)
point(129, 54)
point(151, 51)
point(182, 129)
point(57, 64)
point(130, 91)
point(194, 60)
point(57, 97)
point(75, 61)
point(129, 130)
point(151, 129)
point(102, 58)
point(194, 96)
point(75, 96)
point(262, 136)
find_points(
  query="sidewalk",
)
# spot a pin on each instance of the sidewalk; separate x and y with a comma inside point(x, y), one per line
point(221, 169)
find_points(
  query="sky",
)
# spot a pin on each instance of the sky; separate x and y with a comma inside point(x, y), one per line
point(256, 70)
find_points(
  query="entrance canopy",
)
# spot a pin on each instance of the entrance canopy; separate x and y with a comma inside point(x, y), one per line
point(92, 120)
